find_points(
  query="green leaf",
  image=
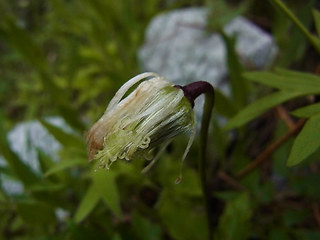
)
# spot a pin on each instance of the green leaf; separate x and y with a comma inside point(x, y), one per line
point(62, 165)
point(71, 117)
point(36, 213)
point(183, 219)
point(277, 234)
point(19, 169)
point(221, 13)
point(316, 16)
point(88, 202)
point(116, 236)
point(45, 161)
point(223, 105)
point(302, 83)
point(238, 82)
point(32, 53)
point(260, 106)
point(312, 39)
point(296, 74)
point(144, 229)
point(105, 184)
point(66, 139)
point(308, 111)
point(234, 224)
point(303, 234)
point(46, 187)
point(24, 44)
point(307, 142)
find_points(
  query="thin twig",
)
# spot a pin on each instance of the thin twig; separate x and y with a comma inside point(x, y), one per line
point(283, 114)
point(231, 181)
point(270, 149)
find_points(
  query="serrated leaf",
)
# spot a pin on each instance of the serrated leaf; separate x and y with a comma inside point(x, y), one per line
point(307, 142)
point(88, 202)
point(105, 183)
point(260, 106)
point(66, 139)
point(301, 84)
point(308, 111)
point(62, 165)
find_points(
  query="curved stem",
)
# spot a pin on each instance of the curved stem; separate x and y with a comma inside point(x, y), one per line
point(191, 92)
point(207, 110)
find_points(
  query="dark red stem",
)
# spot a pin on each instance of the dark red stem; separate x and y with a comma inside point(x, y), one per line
point(193, 90)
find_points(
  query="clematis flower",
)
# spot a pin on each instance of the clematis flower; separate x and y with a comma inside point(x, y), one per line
point(150, 116)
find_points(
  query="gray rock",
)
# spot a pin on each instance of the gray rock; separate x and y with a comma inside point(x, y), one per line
point(178, 47)
point(25, 139)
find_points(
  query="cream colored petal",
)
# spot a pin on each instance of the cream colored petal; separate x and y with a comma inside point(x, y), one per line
point(125, 87)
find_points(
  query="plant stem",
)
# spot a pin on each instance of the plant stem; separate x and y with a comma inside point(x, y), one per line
point(313, 40)
point(191, 92)
point(207, 110)
point(270, 149)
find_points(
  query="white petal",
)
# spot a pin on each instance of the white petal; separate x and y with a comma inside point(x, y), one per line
point(125, 87)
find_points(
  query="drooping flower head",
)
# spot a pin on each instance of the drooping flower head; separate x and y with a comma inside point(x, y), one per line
point(151, 115)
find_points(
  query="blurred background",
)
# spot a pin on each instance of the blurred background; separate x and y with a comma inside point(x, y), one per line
point(61, 61)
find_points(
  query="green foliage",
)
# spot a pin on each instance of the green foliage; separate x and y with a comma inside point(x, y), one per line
point(17, 167)
point(68, 58)
point(231, 227)
point(260, 106)
point(308, 111)
point(237, 82)
point(307, 141)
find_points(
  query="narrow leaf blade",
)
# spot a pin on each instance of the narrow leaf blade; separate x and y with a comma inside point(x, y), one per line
point(259, 107)
point(87, 204)
point(308, 111)
point(16, 165)
point(66, 139)
point(62, 165)
point(299, 83)
point(316, 16)
point(238, 82)
point(307, 142)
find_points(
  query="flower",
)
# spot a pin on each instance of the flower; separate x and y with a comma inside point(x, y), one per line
point(131, 127)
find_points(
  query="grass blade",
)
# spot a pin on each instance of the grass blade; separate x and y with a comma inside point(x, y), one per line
point(238, 82)
point(259, 107)
point(66, 139)
point(312, 39)
point(307, 142)
point(303, 84)
point(308, 111)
